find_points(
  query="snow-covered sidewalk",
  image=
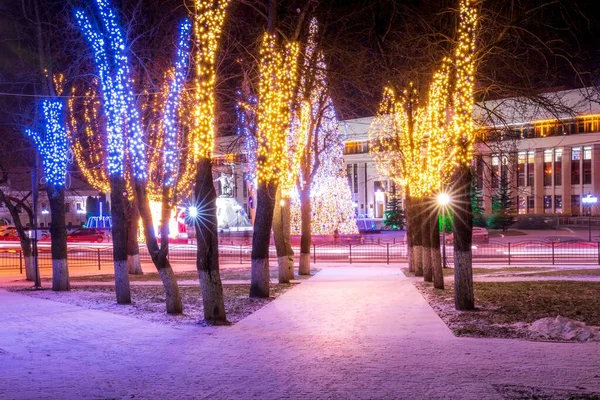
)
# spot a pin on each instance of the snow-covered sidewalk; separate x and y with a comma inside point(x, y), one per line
point(349, 332)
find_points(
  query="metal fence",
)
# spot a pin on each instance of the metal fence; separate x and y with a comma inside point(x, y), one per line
point(521, 252)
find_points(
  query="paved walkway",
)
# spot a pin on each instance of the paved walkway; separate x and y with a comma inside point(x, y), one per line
point(349, 332)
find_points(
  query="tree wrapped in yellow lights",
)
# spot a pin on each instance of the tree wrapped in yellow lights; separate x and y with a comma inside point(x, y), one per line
point(277, 83)
point(209, 16)
point(418, 147)
point(464, 137)
point(282, 213)
point(324, 202)
point(397, 140)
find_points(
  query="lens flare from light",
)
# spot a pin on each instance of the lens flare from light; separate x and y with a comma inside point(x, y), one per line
point(443, 199)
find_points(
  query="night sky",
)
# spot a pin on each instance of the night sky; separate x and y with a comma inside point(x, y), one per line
point(367, 44)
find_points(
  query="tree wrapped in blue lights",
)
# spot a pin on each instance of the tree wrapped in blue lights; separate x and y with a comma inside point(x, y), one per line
point(53, 147)
point(108, 49)
point(124, 133)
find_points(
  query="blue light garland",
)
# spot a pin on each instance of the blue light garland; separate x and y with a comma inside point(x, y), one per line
point(117, 89)
point(54, 145)
point(114, 131)
point(170, 116)
point(245, 109)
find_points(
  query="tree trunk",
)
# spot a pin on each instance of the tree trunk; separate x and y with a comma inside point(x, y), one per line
point(436, 255)
point(464, 298)
point(281, 234)
point(159, 255)
point(24, 239)
point(29, 268)
point(306, 231)
point(134, 266)
point(58, 234)
point(427, 216)
point(119, 238)
point(261, 237)
point(417, 235)
point(207, 255)
point(410, 254)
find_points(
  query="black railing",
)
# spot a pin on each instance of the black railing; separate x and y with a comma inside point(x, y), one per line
point(521, 252)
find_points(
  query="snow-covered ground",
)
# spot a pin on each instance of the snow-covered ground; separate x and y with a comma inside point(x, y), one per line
point(350, 332)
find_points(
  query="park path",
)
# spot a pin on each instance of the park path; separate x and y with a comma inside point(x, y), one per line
point(349, 332)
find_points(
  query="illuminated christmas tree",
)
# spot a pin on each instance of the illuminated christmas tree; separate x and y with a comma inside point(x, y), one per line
point(317, 126)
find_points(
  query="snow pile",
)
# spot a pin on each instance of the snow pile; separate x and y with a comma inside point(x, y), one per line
point(562, 328)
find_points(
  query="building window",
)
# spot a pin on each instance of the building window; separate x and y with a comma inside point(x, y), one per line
point(558, 204)
point(495, 171)
point(587, 165)
point(521, 158)
point(557, 167)
point(575, 204)
point(522, 204)
point(530, 204)
point(78, 206)
point(575, 166)
point(548, 167)
point(479, 172)
point(530, 168)
point(355, 180)
point(356, 147)
point(349, 175)
point(547, 204)
point(67, 207)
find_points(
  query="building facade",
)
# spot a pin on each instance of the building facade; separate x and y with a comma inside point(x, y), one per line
point(549, 157)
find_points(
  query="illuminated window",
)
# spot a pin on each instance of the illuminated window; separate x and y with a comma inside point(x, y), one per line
point(522, 203)
point(521, 158)
point(575, 165)
point(558, 204)
point(587, 165)
point(548, 167)
point(547, 204)
point(557, 167)
point(495, 171)
point(530, 168)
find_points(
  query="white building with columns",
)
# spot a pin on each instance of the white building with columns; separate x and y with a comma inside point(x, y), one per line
point(551, 158)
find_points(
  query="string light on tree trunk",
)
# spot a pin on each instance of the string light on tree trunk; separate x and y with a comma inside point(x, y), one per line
point(277, 83)
point(53, 146)
point(209, 18)
point(465, 82)
point(172, 104)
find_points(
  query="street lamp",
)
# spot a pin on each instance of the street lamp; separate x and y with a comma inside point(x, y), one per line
point(589, 200)
point(443, 200)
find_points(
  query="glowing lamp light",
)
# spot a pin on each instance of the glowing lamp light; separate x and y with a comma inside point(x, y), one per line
point(589, 199)
point(443, 199)
point(45, 212)
point(193, 212)
point(81, 212)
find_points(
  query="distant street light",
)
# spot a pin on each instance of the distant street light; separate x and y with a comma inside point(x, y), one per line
point(443, 200)
point(589, 200)
point(193, 212)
